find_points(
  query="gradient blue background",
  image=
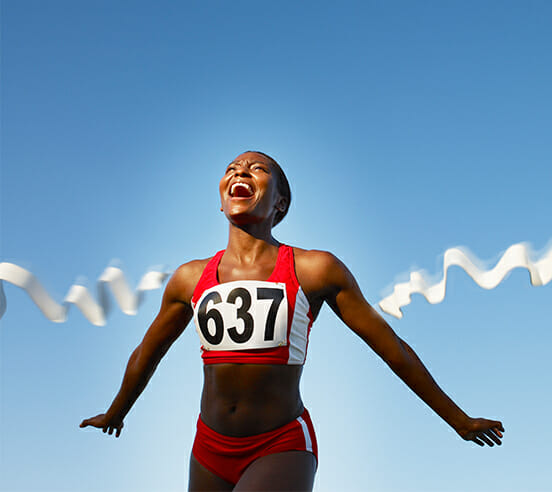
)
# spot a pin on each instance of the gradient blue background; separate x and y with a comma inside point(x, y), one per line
point(404, 127)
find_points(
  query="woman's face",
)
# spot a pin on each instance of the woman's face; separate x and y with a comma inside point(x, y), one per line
point(248, 190)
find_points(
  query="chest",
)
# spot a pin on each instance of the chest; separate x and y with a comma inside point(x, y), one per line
point(229, 272)
point(243, 314)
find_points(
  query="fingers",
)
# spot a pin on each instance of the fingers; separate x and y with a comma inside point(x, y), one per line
point(110, 429)
point(490, 436)
point(495, 435)
point(496, 426)
point(100, 422)
point(486, 440)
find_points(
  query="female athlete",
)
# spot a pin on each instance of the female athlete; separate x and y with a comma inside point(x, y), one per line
point(253, 305)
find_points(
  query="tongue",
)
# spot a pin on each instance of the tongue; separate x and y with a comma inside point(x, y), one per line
point(242, 191)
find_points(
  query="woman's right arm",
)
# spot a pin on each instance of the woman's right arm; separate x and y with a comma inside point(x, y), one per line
point(175, 313)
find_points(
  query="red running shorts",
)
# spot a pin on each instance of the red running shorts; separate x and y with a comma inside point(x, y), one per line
point(228, 457)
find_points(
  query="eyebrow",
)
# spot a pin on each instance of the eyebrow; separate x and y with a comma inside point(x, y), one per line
point(248, 162)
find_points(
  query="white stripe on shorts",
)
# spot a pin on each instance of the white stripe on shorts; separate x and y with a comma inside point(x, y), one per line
point(306, 433)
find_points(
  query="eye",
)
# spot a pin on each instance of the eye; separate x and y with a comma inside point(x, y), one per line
point(259, 167)
point(231, 167)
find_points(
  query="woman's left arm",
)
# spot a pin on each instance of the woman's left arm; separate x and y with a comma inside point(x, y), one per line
point(345, 298)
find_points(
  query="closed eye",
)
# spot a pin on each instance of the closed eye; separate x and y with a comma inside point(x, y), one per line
point(260, 167)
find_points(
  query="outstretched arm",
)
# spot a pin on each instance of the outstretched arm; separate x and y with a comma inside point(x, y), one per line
point(174, 315)
point(347, 301)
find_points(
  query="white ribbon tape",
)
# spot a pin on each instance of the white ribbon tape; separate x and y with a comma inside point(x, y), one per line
point(95, 312)
point(517, 255)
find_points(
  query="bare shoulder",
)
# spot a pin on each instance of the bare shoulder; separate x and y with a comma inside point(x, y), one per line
point(183, 281)
point(318, 270)
point(314, 258)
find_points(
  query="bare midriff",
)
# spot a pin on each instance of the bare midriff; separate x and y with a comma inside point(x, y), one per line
point(247, 399)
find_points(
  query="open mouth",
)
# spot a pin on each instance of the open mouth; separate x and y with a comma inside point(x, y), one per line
point(241, 190)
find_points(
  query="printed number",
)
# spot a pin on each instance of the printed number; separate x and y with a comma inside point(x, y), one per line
point(243, 314)
point(204, 316)
point(276, 295)
point(263, 293)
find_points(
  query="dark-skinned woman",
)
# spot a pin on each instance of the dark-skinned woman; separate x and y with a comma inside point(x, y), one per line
point(253, 305)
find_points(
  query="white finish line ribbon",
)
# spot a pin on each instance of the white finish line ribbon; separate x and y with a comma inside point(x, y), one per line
point(94, 311)
point(516, 256)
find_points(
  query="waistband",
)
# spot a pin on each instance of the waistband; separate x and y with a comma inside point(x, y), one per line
point(304, 420)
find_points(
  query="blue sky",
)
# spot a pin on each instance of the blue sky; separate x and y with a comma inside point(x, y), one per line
point(405, 128)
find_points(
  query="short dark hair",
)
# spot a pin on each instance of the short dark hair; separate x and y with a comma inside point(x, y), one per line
point(283, 187)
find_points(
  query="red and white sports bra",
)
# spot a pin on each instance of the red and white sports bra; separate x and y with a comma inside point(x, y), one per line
point(253, 321)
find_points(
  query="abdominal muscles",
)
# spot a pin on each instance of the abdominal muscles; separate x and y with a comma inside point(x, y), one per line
point(248, 399)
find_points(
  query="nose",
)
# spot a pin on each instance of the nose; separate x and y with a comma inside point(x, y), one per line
point(242, 171)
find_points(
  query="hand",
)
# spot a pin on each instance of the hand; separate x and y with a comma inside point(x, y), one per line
point(482, 431)
point(102, 421)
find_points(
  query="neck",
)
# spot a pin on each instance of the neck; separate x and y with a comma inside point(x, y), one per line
point(248, 243)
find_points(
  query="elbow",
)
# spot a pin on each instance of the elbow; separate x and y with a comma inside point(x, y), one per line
point(139, 360)
point(399, 358)
point(398, 364)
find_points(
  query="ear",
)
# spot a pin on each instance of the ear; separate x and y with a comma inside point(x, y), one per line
point(281, 204)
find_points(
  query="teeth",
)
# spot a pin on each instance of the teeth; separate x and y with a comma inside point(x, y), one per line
point(239, 183)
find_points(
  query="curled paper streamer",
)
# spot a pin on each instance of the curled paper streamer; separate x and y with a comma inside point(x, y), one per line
point(94, 311)
point(517, 255)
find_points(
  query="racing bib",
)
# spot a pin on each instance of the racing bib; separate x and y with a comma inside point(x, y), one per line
point(244, 314)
